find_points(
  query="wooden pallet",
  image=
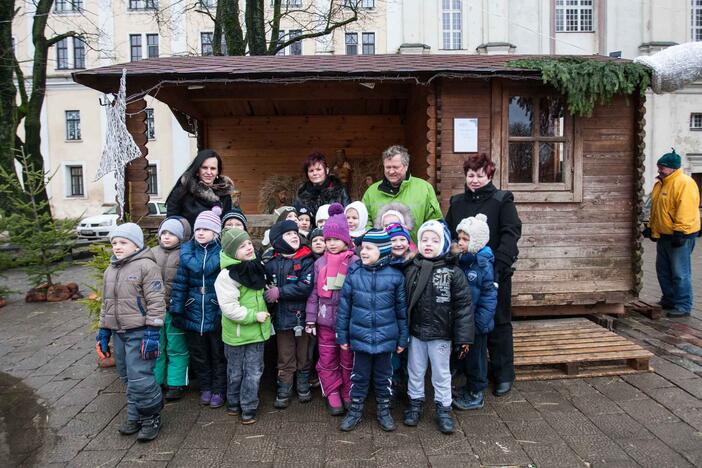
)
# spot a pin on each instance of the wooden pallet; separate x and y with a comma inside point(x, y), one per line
point(570, 348)
point(652, 311)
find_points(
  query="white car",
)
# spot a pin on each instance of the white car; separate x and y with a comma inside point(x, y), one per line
point(100, 226)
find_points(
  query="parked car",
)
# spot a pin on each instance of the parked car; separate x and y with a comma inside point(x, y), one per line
point(100, 226)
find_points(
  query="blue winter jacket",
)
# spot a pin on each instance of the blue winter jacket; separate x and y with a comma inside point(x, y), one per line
point(194, 303)
point(479, 271)
point(372, 313)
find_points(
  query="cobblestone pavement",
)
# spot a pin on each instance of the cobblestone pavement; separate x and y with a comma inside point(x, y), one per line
point(57, 408)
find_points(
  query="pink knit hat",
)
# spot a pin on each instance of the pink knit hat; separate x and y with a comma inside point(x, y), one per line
point(336, 226)
point(208, 220)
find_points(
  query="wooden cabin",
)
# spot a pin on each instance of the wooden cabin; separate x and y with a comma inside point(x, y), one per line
point(577, 180)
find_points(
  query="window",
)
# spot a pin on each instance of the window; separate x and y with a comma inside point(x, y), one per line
point(295, 47)
point(206, 43)
point(351, 43)
point(538, 145)
point(289, 3)
point(62, 54)
point(574, 16)
point(74, 179)
point(368, 4)
point(152, 180)
point(152, 45)
point(143, 4)
point(68, 6)
point(207, 4)
point(696, 121)
point(150, 129)
point(281, 39)
point(135, 47)
point(368, 43)
point(451, 24)
point(78, 53)
point(73, 125)
point(696, 19)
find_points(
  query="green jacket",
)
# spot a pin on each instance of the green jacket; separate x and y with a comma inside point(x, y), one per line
point(416, 193)
point(239, 305)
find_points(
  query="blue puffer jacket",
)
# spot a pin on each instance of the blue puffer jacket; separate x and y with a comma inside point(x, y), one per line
point(479, 271)
point(372, 313)
point(194, 304)
point(294, 277)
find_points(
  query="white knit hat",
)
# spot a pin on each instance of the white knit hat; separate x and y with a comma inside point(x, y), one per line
point(477, 228)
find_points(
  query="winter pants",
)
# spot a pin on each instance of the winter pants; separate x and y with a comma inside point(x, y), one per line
point(377, 367)
point(172, 364)
point(144, 397)
point(334, 365)
point(674, 271)
point(501, 353)
point(292, 354)
point(244, 371)
point(475, 365)
point(421, 354)
point(208, 361)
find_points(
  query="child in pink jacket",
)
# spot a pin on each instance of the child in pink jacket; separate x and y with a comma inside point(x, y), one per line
point(334, 365)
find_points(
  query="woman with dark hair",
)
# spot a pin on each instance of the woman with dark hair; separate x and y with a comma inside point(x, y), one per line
point(201, 187)
point(481, 196)
point(321, 188)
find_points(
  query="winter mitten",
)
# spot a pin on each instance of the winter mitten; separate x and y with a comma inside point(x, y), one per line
point(647, 233)
point(272, 295)
point(103, 342)
point(678, 239)
point(149, 343)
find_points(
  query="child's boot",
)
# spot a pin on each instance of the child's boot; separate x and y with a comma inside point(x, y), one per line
point(302, 382)
point(384, 417)
point(175, 393)
point(413, 413)
point(248, 416)
point(129, 427)
point(334, 404)
point(282, 399)
point(469, 401)
point(150, 426)
point(444, 419)
point(353, 417)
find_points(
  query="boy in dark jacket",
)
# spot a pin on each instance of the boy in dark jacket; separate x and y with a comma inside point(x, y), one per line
point(291, 271)
point(371, 321)
point(194, 308)
point(477, 262)
point(440, 315)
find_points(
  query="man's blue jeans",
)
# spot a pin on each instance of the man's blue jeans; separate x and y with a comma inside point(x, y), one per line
point(674, 270)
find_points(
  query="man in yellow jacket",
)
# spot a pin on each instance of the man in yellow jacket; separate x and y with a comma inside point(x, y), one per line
point(675, 224)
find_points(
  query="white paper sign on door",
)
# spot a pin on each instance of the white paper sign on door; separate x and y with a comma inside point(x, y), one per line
point(465, 135)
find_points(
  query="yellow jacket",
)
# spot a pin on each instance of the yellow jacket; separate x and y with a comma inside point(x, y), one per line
point(675, 205)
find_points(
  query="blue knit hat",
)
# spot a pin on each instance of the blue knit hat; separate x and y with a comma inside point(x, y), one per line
point(671, 160)
point(129, 231)
point(381, 239)
point(236, 213)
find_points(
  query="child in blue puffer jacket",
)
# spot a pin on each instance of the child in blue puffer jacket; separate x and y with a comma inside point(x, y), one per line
point(477, 262)
point(371, 321)
point(194, 308)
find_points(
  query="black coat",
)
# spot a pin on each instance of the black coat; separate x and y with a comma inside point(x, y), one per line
point(312, 197)
point(439, 301)
point(505, 231)
point(294, 277)
point(189, 197)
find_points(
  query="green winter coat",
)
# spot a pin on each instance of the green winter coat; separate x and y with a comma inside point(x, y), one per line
point(416, 193)
point(239, 305)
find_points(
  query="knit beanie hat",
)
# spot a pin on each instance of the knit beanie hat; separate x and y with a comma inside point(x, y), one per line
point(477, 229)
point(129, 231)
point(283, 213)
point(362, 217)
point(232, 240)
point(174, 226)
point(336, 225)
point(316, 232)
point(301, 210)
point(670, 160)
point(397, 230)
point(440, 229)
point(276, 236)
point(381, 239)
point(236, 213)
point(322, 214)
point(208, 220)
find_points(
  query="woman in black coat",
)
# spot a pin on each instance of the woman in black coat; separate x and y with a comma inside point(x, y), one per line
point(201, 187)
point(481, 196)
point(321, 188)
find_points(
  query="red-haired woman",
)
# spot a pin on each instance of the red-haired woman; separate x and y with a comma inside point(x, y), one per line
point(321, 188)
point(481, 196)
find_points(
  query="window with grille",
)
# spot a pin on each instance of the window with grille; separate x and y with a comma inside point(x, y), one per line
point(150, 128)
point(152, 45)
point(78, 53)
point(143, 4)
point(206, 43)
point(134, 47)
point(281, 40)
point(696, 121)
point(208, 3)
point(73, 125)
point(68, 6)
point(696, 19)
point(368, 43)
point(574, 16)
point(62, 54)
point(288, 3)
point(75, 181)
point(295, 47)
point(452, 24)
point(152, 180)
point(351, 43)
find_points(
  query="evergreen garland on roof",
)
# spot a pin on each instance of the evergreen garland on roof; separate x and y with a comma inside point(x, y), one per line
point(586, 82)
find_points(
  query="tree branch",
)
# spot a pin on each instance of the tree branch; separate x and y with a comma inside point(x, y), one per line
point(329, 27)
point(59, 37)
point(24, 99)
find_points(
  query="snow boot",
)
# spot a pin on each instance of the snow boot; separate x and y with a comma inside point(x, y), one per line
point(413, 413)
point(384, 417)
point(353, 417)
point(282, 398)
point(444, 419)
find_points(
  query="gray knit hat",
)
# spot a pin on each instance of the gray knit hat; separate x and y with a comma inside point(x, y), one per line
point(174, 226)
point(129, 231)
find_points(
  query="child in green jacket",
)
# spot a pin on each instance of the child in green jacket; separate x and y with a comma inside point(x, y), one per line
point(246, 323)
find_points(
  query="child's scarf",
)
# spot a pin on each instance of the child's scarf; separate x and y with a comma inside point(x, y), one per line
point(332, 275)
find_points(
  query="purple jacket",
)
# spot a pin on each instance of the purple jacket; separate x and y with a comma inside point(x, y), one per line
point(322, 310)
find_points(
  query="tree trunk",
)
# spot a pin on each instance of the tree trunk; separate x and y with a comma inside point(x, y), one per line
point(8, 91)
point(255, 27)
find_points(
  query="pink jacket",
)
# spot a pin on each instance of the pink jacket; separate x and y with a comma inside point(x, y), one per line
point(322, 310)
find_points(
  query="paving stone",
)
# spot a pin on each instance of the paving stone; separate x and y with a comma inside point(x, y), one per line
point(297, 434)
point(451, 461)
point(595, 448)
point(517, 410)
point(570, 424)
point(349, 447)
point(402, 436)
point(621, 426)
point(648, 380)
point(549, 401)
point(101, 458)
point(674, 398)
point(188, 458)
point(559, 455)
point(481, 425)
point(692, 386)
point(616, 464)
point(301, 457)
point(59, 417)
point(85, 424)
point(670, 371)
point(692, 416)
point(617, 389)
point(436, 443)
point(693, 456)
point(596, 404)
point(534, 386)
point(533, 431)
point(110, 439)
point(55, 389)
point(648, 412)
point(212, 435)
point(63, 449)
point(405, 456)
point(679, 436)
point(653, 453)
point(134, 462)
point(499, 451)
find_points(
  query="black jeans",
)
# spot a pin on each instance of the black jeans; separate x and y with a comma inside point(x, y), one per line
point(208, 361)
point(501, 352)
point(377, 367)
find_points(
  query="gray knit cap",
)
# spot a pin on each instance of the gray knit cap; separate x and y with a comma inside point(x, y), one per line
point(129, 231)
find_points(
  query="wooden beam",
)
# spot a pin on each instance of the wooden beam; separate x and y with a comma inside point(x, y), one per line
point(566, 310)
point(136, 198)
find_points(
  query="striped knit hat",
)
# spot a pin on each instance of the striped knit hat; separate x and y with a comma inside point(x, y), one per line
point(208, 220)
point(397, 230)
point(381, 239)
